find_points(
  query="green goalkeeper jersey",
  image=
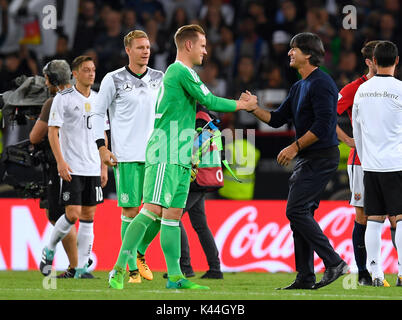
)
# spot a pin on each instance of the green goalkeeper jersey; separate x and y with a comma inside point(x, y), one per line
point(173, 136)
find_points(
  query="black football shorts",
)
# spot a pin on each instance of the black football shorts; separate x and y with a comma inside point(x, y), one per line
point(82, 190)
point(382, 193)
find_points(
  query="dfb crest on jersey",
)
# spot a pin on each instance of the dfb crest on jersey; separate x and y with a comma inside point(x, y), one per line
point(127, 86)
point(154, 83)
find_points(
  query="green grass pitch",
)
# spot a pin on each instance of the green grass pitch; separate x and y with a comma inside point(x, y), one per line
point(29, 285)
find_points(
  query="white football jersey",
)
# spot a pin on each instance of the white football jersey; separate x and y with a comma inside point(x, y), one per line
point(71, 112)
point(131, 101)
point(377, 124)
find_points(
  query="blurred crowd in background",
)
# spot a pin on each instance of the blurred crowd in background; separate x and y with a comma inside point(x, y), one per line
point(247, 42)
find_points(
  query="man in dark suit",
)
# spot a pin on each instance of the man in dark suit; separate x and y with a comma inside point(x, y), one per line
point(311, 106)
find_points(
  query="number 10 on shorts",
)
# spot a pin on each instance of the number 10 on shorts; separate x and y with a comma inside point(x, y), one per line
point(99, 194)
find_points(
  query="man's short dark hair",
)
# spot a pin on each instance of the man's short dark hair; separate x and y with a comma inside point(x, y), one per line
point(385, 52)
point(368, 49)
point(77, 62)
point(310, 44)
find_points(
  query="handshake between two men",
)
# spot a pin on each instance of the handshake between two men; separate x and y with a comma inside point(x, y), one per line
point(289, 153)
point(247, 102)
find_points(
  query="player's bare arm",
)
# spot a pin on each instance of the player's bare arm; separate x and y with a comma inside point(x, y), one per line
point(104, 168)
point(260, 113)
point(62, 166)
point(342, 136)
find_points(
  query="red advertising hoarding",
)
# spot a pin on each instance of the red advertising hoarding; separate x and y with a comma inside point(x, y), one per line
point(250, 235)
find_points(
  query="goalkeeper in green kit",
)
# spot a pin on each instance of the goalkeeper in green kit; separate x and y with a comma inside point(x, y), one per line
point(168, 157)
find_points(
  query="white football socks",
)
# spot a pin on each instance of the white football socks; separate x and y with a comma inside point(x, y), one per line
point(372, 241)
point(398, 242)
point(85, 239)
point(61, 228)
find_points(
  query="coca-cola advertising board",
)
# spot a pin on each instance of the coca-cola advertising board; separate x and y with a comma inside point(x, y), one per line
point(250, 236)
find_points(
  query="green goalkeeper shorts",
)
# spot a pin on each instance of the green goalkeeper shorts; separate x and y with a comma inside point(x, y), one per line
point(129, 177)
point(167, 185)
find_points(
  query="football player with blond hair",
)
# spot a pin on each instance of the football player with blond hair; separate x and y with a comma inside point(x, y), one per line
point(129, 95)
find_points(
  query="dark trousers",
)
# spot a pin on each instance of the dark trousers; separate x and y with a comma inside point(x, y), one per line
point(196, 211)
point(307, 183)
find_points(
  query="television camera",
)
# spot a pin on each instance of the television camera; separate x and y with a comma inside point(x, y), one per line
point(25, 166)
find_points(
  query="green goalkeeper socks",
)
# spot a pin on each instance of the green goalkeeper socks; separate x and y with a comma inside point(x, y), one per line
point(133, 237)
point(125, 222)
point(150, 234)
point(171, 246)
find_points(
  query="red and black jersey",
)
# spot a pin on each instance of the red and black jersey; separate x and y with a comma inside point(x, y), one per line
point(345, 103)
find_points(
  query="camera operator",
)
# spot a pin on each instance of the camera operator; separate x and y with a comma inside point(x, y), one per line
point(57, 74)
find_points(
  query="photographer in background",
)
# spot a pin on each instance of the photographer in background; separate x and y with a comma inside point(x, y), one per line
point(57, 74)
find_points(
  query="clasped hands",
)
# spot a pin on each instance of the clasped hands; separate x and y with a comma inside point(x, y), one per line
point(249, 101)
point(288, 153)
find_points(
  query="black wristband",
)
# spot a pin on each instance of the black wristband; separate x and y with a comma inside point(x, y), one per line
point(100, 143)
point(298, 146)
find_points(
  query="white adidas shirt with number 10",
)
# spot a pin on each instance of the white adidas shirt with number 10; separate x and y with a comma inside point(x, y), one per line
point(71, 112)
